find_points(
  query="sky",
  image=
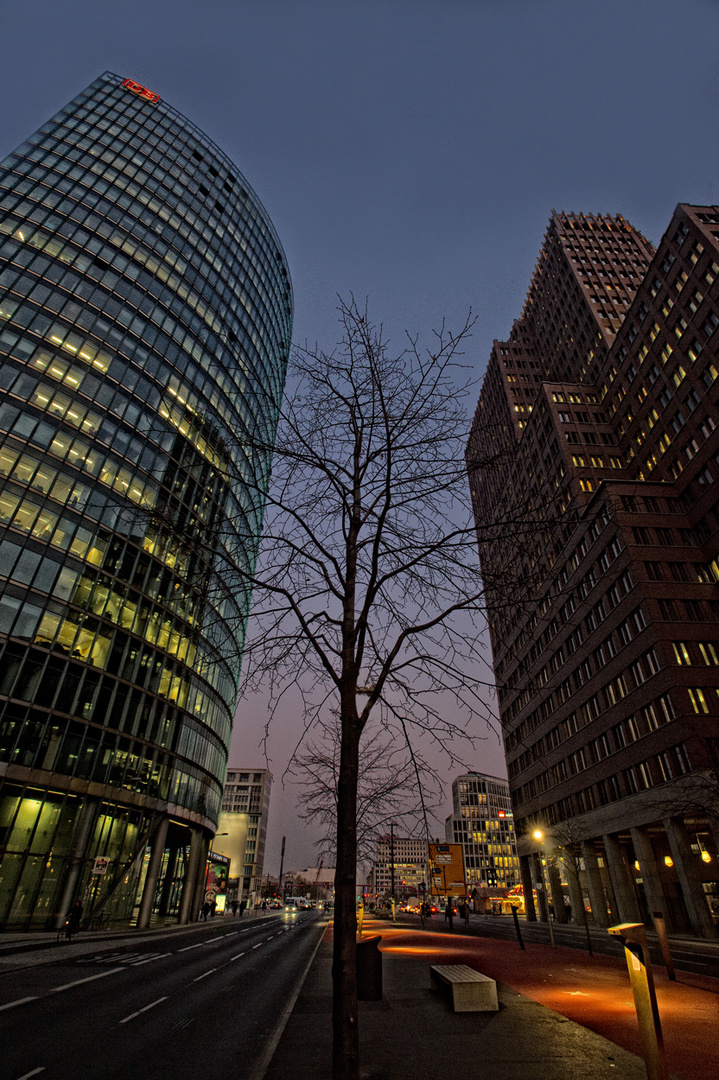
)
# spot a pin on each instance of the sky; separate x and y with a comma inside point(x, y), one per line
point(408, 151)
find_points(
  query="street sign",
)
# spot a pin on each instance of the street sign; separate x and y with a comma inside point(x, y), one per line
point(446, 870)
point(100, 865)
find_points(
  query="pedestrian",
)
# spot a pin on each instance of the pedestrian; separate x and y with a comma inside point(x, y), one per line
point(243, 905)
point(233, 905)
point(264, 905)
point(74, 916)
point(206, 909)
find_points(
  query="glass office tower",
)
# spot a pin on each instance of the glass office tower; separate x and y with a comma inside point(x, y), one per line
point(145, 322)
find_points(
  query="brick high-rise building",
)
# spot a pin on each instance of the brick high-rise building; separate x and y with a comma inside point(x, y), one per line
point(593, 464)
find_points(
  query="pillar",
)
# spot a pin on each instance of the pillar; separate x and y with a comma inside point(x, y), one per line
point(576, 896)
point(689, 878)
point(76, 858)
point(528, 887)
point(198, 894)
point(622, 884)
point(650, 874)
point(153, 872)
point(555, 885)
point(542, 899)
point(190, 880)
point(595, 888)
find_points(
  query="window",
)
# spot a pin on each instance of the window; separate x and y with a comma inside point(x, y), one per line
point(709, 654)
point(697, 700)
point(681, 653)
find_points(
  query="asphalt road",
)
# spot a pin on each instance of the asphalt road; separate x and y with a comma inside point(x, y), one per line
point(204, 1003)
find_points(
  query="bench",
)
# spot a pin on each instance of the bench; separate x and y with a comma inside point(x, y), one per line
point(471, 991)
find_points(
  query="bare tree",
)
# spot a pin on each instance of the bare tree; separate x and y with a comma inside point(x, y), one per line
point(395, 784)
point(367, 594)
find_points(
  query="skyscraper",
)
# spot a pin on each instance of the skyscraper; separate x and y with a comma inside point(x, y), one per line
point(145, 322)
point(593, 463)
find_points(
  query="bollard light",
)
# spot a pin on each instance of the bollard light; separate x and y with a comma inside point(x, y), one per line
point(634, 938)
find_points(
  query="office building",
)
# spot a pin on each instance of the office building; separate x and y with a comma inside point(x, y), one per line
point(242, 829)
point(482, 822)
point(145, 322)
point(401, 860)
point(593, 464)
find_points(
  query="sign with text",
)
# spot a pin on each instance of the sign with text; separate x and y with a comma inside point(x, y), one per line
point(100, 865)
point(141, 91)
point(446, 870)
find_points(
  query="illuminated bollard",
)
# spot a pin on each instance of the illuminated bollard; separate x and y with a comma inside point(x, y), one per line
point(634, 939)
point(360, 919)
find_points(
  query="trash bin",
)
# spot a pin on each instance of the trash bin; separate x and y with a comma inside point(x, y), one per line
point(369, 969)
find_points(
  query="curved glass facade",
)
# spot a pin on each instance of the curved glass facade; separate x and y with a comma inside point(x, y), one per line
point(145, 323)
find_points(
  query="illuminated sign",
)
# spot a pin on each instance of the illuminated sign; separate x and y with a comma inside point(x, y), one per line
point(141, 91)
point(446, 870)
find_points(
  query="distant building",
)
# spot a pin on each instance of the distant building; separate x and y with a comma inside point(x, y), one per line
point(317, 882)
point(245, 811)
point(482, 822)
point(407, 857)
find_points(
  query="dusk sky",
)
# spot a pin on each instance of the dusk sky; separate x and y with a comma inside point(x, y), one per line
point(409, 151)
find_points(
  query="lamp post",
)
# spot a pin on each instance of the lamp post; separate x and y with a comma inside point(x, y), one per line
point(539, 836)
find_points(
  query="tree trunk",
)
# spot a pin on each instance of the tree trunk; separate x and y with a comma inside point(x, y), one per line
point(345, 1035)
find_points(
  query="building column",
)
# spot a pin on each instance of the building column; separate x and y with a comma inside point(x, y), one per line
point(528, 887)
point(576, 896)
point(76, 858)
point(595, 888)
point(622, 885)
point(555, 884)
point(190, 880)
point(650, 874)
point(153, 872)
point(689, 878)
point(198, 894)
point(542, 899)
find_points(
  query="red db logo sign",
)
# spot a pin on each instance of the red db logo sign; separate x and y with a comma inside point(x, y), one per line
point(141, 91)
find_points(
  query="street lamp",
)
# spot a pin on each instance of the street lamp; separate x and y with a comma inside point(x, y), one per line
point(539, 836)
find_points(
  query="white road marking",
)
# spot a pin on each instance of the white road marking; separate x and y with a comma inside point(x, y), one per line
point(78, 982)
point(140, 1011)
point(26, 1076)
point(205, 975)
point(19, 1001)
point(197, 946)
point(258, 945)
point(235, 957)
point(157, 956)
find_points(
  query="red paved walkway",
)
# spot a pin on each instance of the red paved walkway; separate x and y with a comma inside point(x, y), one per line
point(593, 991)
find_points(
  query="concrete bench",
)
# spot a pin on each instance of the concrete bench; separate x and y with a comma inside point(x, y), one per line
point(471, 991)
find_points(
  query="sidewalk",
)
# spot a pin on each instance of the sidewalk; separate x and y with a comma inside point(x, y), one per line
point(565, 1013)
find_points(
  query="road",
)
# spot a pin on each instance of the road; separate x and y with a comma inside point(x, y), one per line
point(203, 1002)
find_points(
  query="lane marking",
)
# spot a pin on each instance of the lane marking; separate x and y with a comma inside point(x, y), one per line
point(140, 1011)
point(34, 1072)
point(236, 957)
point(90, 978)
point(257, 945)
point(205, 975)
point(158, 956)
point(19, 1001)
point(197, 946)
